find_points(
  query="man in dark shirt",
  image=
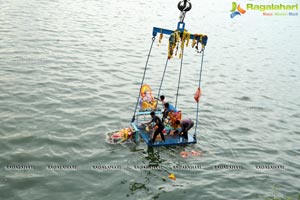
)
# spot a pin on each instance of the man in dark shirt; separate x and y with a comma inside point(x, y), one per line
point(186, 125)
point(160, 127)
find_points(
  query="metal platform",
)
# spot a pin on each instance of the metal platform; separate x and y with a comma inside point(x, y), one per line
point(169, 140)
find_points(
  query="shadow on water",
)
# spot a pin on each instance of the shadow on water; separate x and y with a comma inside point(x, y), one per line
point(150, 175)
point(152, 180)
point(141, 186)
point(153, 157)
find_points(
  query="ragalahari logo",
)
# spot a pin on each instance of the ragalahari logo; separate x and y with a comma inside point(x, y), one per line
point(236, 10)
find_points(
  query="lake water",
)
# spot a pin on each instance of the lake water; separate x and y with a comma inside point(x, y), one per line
point(70, 72)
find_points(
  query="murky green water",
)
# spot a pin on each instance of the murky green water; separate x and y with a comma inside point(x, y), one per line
point(70, 72)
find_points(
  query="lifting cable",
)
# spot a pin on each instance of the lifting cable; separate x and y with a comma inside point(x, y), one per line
point(202, 51)
point(161, 82)
point(138, 98)
point(179, 79)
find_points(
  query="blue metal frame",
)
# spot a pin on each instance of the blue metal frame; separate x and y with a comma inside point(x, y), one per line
point(170, 140)
point(148, 112)
point(180, 27)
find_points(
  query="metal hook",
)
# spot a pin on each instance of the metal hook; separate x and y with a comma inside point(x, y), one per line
point(184, 6)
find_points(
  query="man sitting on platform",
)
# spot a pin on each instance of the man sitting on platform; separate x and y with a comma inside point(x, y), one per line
point(168, 108)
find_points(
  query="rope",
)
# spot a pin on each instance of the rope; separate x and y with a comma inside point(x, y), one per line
point(179, 79)
point(161, 82)
point(199, 87)
point(137, 101)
